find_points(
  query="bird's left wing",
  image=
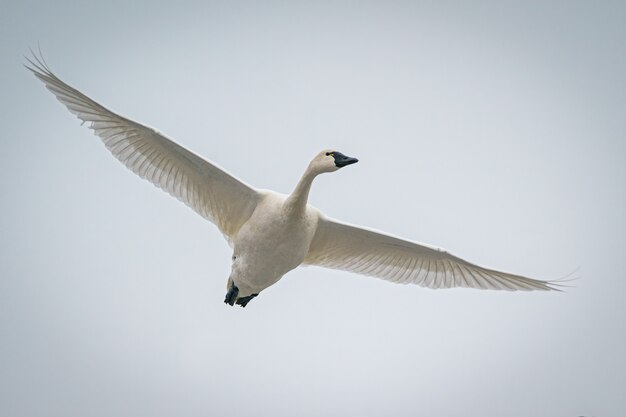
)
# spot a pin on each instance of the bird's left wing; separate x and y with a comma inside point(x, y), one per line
point(207, 189)
point(351, 248)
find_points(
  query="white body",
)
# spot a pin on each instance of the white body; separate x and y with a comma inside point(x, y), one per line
point(270, 233)
point(275, 240)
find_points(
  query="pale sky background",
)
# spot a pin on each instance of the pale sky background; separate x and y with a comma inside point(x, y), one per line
point(496, 130)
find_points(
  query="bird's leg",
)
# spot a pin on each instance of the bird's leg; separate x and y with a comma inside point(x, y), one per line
point(231, 295)
point(243, 301)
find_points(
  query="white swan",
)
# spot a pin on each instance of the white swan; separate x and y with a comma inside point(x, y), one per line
point(272, 233)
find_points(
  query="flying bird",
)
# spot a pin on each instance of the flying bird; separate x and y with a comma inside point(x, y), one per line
point(272, 233)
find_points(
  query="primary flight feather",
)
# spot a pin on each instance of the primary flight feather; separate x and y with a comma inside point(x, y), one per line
point(272, 233)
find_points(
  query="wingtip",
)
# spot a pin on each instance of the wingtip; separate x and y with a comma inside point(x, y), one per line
point(553, 288)
point(38, 64)
point(557, 284)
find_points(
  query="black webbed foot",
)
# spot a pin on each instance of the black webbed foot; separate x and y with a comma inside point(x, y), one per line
point(243, 301)
point(231, 295)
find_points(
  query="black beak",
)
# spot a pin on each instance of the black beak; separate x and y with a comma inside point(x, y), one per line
point(342, 160)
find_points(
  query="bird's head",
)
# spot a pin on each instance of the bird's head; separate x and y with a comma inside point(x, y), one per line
point(329, 161)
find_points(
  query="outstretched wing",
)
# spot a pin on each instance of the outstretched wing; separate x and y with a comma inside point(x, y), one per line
point(203, 186)
point(351, 248)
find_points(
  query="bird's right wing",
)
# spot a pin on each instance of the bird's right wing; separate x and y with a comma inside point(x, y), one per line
point(206, 188)
point(351, 248)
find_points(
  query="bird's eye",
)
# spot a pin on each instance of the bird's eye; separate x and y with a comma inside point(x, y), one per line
point(330, 154)
point(234, 257)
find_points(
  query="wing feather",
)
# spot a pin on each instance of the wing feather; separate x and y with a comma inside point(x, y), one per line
point(203, 186)
point(351, 248)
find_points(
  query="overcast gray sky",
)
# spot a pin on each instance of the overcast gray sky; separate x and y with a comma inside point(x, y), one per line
point(493, 129)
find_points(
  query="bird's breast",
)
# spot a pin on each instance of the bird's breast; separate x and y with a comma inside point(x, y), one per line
point(274, 241)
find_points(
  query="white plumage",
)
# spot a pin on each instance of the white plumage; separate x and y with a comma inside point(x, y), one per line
point(272, 233)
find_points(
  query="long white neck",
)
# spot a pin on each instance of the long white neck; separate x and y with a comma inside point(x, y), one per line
point(296, 202)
